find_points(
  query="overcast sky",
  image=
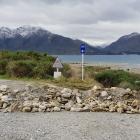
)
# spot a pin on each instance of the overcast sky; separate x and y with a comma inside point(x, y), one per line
point(95, 21)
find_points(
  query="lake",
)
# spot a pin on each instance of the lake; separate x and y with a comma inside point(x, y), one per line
point(124, 60)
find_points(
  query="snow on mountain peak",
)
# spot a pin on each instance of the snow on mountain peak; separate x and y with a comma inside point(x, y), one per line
point(5, 32)
point(24, 31)
point(130, 35)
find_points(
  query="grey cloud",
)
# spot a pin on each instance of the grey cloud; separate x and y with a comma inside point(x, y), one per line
point(91, 20)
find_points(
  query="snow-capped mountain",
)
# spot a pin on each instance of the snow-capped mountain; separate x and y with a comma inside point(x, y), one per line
point(24, 31)
point(128, 44)
point(6, 32)
point(30, 38)
point(135, 34)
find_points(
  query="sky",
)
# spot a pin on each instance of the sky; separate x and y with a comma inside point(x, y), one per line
point(97, 22)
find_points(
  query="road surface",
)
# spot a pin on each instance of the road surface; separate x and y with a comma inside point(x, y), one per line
point(69, 126)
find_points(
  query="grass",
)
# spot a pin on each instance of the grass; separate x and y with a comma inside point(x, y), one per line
point(76, 83)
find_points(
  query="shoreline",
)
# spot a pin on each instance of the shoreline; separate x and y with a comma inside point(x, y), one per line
point(117, 66)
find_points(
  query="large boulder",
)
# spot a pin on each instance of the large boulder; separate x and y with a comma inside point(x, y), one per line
point(56, 109)
point(69, 105)
point(76, 109)
point(26, 109)
point(4, 88)
point(104, 94)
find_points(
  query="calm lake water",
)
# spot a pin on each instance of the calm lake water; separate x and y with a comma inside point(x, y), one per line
point(125, 60)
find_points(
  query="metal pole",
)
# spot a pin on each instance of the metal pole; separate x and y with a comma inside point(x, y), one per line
point(82, 66)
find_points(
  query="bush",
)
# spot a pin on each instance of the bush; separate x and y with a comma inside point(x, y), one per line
point(66, 71)
point(26, 64)
point(3, 65)
point(43, 70)
point(118, 78)
point(20, 68)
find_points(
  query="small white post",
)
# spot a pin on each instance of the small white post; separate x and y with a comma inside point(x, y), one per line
point(82, 66)
point(57, 69)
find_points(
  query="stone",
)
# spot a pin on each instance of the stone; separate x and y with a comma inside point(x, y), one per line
point(75, 91)
point(97, 94)
point(5, 98)
point(66, 90)
point(93, 104)
point(69, 105)
point(120, 110)
point(1, 104)
point(104, 94)
point(103, 105)
point(42, 107)
point(135, 111)
point(35, 104)
point(14, 107)
point(26, 109)
point(79, 101)
point(48, 105)
point(48, 110)
point(56, 109)
point(3, 88)
point(59, 99)
point(109, 97)
point(28, 87)
point(128, 90)
point(16, 91)
point(27, 104)
point(5, 105)
point(113, 88)
point(78, 105)
point(121, 105)
point(76, 109)
point(112, 109)
point(96, 88)
point(86, 109)
point(136, 103)
point(58, 94)
point(129, 112)
point(78, 94)
point(98, 109)
point(66, 95)
point(35, 110)
point(54, 103)
point(1, 95)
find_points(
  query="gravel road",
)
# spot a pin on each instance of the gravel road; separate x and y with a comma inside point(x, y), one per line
point(69, 126)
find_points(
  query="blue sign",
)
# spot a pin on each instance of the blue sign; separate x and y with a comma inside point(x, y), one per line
point(82, 48)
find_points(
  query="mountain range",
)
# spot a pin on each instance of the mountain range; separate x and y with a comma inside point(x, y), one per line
point(28, 38)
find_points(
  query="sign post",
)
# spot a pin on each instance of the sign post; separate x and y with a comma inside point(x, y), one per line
point(82, 49)
point(58, 65)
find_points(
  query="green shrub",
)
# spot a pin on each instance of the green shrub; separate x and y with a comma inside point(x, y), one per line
point(66, 71)
point(118, 78)
point(3, 65)
point(20, 68)
point(43, 70)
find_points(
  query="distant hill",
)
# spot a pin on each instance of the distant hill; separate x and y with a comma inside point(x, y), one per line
point(29, 38)
point(129, 44)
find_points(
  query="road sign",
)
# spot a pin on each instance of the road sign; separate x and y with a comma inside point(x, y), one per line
point(82, 48)
point(57, 64)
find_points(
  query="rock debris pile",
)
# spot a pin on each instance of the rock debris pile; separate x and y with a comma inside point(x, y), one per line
point(51, 98)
